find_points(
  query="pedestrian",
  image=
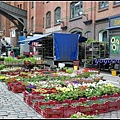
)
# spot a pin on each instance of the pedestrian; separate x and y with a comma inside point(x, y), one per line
point(12, 53)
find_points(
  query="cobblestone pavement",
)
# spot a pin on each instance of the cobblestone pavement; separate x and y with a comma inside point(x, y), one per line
point(12, 105)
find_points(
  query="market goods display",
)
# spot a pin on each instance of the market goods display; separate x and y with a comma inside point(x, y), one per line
point(61, 94)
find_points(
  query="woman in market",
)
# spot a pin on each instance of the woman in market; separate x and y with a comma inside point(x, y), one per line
point(12, 53)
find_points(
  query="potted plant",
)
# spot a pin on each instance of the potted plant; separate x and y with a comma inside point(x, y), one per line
point(53, 67)
point(1, 58)
point(29, 87)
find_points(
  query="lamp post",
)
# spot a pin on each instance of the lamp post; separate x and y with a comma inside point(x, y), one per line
point(1, 34)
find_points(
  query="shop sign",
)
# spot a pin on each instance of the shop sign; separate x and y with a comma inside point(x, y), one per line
point(115, 22)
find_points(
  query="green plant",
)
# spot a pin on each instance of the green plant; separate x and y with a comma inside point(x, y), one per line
point(2, 66)
point(82, 115)
point(8, 59)
point(118, 75)
point(31, 59)
point(90, 40)
point(69, 70)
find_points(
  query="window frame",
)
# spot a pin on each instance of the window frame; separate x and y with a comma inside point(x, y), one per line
point(57, 15)
point(74, 9)
point(32, 4)
point(32, 23)
point(48, 19)
point(116, 3)
point(104, 5)
point(20, 6)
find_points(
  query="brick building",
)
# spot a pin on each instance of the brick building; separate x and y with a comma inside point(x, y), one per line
point(43, 17)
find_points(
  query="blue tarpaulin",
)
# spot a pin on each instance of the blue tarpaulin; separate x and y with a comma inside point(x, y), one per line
point(66, 46)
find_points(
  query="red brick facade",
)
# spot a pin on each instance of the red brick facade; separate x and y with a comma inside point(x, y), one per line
point(38, 12)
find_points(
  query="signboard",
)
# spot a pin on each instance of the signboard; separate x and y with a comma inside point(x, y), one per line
point(114, 21)
point(114, 44)
point(13, 33)
point(115, 47)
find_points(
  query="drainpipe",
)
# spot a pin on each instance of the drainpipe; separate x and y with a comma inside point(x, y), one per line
point(94, 18)
point(91, 11)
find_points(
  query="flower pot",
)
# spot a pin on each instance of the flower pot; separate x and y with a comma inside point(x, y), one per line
point(27, 63)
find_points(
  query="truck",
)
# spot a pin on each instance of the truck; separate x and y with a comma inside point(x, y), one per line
point(55, 48)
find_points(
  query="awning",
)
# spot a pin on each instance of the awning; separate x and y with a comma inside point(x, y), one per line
point(35, 38)
point(115, 27)
point(82, 39)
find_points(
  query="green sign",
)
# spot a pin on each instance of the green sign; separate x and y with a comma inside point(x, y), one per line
point(114, 44)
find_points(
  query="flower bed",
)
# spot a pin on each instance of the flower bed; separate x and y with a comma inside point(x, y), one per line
point(70, 93)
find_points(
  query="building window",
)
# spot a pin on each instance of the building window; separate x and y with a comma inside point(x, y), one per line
point(116, 2)
point(75, 7)
point(47, 1)
point(103, 4)
point(43, 22)
point(103, 36)
point(32, 4)
point(32, 23)
point(20, 6)
point(77, 32)
point(48, 19)
point(88, 34)
point(57, 14)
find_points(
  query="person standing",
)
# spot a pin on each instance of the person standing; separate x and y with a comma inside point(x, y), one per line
point(12, 53)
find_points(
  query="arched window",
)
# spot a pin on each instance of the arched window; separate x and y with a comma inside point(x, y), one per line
point(77, 32)
point(57, 14)
point(48, 19)
point(32, 4)
point(75, 7)
point(88, 34)
point(103, 36)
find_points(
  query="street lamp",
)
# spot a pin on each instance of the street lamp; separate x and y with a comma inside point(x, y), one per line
point(60, 21)
point(81, 14)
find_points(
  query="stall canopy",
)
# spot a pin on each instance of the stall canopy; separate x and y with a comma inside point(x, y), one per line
point(35, 38)
point(39, 37)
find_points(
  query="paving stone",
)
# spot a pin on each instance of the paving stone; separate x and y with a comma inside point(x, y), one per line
point(3, 114)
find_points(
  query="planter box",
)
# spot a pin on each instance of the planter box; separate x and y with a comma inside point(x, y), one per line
point(112, 106)
point(101, 108)
point(28, 97)
point(68, 111)
point(88, 110)
point(56, 112)
point(18, 88)
point(13, 84)
point(118, 103)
